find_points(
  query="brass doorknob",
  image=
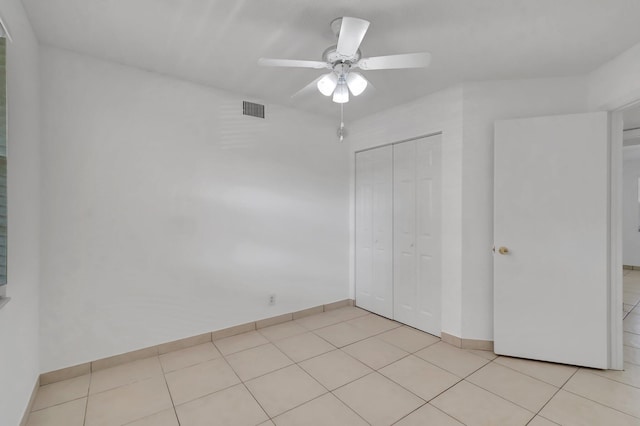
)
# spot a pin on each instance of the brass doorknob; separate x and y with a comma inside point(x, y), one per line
point(503, 250)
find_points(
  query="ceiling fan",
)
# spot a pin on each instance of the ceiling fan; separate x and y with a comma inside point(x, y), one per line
point(345, 56)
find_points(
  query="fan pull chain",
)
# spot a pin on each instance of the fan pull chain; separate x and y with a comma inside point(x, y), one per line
point(341, 129)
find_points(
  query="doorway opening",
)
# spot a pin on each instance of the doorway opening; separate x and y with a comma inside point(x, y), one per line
point(631, 235)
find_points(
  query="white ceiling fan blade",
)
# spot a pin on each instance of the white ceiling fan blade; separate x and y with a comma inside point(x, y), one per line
point(309, 88)
point(390, 62)
point(352, 32)
point(294, 63)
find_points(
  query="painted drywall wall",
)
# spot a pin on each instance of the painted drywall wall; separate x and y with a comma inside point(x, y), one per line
point(167, 213)
point(484, 103)
point(439, 112)
point(616, 84)
point(19, 365)
point(630, 206)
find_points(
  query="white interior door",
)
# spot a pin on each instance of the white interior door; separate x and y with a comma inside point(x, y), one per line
point(417, 242)
point(551, 213)
point(374, 245)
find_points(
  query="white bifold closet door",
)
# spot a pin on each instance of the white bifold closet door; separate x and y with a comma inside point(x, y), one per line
point(374, 225)
point(416, 229)
point(398, 244)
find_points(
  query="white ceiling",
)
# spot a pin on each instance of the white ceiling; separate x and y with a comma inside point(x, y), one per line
point(217, 42)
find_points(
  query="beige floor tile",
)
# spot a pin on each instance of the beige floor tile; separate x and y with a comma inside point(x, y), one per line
point(335, 369)
point(258, 361)
point(163, 418)
point(455, 360)
point(241, 342)
point(341, 334)
point(378, 400)
point(475, 406)
point(408, 339)
point(187, 357)
point(514, 386)
point(267, 423)
point(428, 415)
point(59, 392)
point(632, 355)
point(626, 308)
point(554, 374)
point(282, 331)
point(374, 352)
point(631, 323)
point(67, 414)
point(568, 409)
point(373, 324)
point(484, 354)
point(323, 411)
point(633, 287)
point(313, 322)
point(303, 346)
point(630, 375)
point(125, 374)
point(133, 402)
point(632, 339)
point(607, 392)
point(234, 406)
point(284, 389)
point(348, 313)
point(420, 377)
point(199, 380)
point(541, 421)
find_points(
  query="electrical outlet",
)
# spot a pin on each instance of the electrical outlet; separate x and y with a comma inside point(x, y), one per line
point(272, 299)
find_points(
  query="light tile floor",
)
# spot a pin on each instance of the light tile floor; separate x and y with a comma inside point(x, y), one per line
point(348, 367)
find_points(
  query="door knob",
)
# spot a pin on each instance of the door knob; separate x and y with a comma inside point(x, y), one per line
point(503, 250)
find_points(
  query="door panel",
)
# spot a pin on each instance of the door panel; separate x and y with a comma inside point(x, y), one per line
point(373, 264)
point(551, 213)
point(417, 245)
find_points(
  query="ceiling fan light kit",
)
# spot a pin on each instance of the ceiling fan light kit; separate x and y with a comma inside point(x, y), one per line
point(345, 56)
point(341, 94)
point(327, 84)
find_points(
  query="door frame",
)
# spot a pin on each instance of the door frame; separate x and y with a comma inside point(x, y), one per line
point(616, 341)
point(354, 213)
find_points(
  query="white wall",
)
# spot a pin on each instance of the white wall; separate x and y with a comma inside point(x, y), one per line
point(166, 213)
point(439, 112)
point(630, 206)
point(19, 318)
point(484, 103)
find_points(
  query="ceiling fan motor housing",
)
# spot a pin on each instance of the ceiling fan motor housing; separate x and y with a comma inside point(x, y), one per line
point(332, 56)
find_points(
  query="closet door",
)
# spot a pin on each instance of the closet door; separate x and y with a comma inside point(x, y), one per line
point(374, 238)
point(417, 242)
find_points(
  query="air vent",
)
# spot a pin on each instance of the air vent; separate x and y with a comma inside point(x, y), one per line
point(254, 110)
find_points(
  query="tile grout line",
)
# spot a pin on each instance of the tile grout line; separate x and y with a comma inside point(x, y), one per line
point(58, 404)
point(86, 405)
point(166, 384)
point(244, 384)
point(533, 377)
point(600, 403)
point(555, 393)
point(610, 379)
